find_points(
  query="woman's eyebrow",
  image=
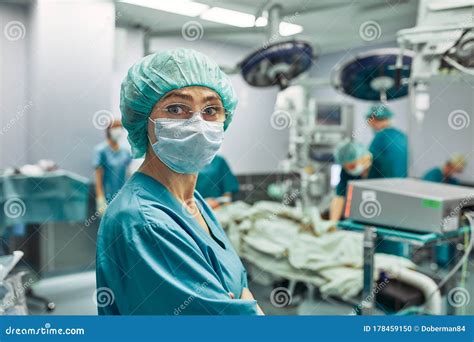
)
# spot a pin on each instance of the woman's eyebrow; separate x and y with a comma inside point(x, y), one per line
point(212, 97)
point(190, 98)
point(182, 96)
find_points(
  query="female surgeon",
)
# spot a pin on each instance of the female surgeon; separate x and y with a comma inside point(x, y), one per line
point(160, 250)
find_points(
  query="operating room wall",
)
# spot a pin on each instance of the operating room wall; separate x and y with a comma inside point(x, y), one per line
point(439, 135)
point(71, 67)
point(250, 145)
point(14, 101)
point(433, 141)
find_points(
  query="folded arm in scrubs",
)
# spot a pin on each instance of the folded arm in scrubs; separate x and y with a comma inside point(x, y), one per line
point(167, 275)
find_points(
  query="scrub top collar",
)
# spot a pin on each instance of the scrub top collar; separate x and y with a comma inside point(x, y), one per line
point(167, 197)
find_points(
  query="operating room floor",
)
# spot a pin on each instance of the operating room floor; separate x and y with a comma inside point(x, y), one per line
point(74, 295)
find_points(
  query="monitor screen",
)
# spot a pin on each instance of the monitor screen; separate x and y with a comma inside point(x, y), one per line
point(335, 175)
point(329, 115)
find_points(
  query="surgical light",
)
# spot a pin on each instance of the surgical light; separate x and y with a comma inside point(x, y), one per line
point(288, 29)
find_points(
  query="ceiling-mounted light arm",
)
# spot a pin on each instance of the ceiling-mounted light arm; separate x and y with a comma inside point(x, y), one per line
point(146, 43)
point(274, 20)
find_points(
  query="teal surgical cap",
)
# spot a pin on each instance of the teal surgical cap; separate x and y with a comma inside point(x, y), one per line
point(349, 151)
point(152, 77)
point(379, 112)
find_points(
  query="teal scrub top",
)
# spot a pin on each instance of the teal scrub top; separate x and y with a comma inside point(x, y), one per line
point(216, 179)
point(114, 164)
point(389, 149)
point(436, 175)
point(344, 178)
point(155, 258)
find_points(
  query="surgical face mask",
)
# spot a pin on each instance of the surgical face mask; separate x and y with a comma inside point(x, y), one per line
point(186, 146)
point(116, 134)
point(357, 171)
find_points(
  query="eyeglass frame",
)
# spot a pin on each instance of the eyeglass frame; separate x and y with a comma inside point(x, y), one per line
point(193, 113)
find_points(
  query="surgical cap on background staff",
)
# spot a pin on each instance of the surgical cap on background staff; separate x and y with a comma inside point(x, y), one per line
point(159, 243)
point(445, 174)
point(356, 161)
point(216, 182)
point(111, 161)
point(389, 146)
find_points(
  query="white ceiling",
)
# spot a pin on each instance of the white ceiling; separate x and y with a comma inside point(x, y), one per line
point(331, 25)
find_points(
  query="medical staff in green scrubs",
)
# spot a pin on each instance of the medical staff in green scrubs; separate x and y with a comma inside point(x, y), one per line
point(455, 165)
point(389, 146)
point(216, 182)
point(356, 161)
point(445, 174)
point(110, 161)
point(160, 249)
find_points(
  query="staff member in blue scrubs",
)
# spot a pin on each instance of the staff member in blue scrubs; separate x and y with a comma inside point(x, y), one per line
point(111, 161)
point(389, 146)
point(160, 249)
point(445, 174)
point(216, 182)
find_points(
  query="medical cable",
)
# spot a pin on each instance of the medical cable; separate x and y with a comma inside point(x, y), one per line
point(458, 66)
point(464, 258)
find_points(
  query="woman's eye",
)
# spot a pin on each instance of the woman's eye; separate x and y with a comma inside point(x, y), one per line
point(175, 109)
point(210, 111)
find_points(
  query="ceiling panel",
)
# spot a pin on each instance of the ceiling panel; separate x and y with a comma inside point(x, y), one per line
point(331, 25)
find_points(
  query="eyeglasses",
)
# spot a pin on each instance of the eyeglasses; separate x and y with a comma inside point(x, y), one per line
point(182, 111)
